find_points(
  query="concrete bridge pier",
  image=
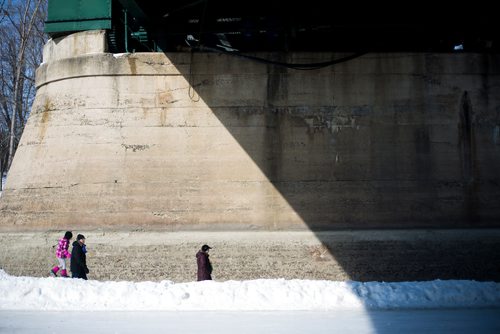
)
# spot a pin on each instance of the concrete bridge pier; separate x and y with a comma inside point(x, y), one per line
point(381, 168)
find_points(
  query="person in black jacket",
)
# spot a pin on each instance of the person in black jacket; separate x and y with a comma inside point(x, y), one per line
point(204, 264)
point(79, 259)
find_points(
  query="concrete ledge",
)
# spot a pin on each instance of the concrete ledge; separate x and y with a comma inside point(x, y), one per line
point(107, 64)
point(68, 61)
point(75, 45)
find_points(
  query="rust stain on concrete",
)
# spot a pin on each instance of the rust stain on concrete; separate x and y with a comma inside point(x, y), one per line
point(45, 117)
point(133, 65)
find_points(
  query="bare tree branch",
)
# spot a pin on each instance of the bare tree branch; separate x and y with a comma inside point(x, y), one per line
point(21, 45)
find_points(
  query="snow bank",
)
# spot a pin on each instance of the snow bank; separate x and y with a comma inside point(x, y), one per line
point(29, 293)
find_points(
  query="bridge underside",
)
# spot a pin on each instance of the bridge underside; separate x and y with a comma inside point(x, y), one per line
point(250, 26)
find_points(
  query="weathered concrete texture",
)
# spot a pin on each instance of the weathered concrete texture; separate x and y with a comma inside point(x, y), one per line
point(212, 142)
point(342, 255)
point(75, 45)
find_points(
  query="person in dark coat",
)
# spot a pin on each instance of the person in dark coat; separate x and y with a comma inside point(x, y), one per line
point(204, 265)
point(79, 259)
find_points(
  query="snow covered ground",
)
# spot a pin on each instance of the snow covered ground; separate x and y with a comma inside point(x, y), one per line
point(44, 305)
point(30, 293)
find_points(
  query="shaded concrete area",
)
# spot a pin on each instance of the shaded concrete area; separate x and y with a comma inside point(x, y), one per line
point(382, 141)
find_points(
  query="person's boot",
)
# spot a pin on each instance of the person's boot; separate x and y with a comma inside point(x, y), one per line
point(54, 271)
point(64, 273)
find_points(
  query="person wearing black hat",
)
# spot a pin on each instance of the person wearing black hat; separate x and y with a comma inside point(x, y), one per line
point(79, 258)
point(204, 265)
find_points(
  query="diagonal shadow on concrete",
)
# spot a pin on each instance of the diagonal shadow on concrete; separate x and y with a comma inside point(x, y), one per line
point(373, 148)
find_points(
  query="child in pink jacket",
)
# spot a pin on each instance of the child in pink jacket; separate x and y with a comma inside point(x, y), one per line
point(62, 254)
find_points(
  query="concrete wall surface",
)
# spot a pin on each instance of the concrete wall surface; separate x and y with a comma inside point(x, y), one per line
point(206, 142)
point(210, 141)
